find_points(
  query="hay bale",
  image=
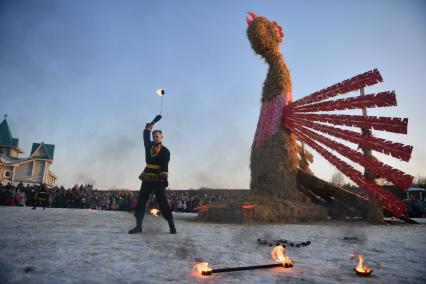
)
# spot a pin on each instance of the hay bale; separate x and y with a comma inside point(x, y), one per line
point(266, 210)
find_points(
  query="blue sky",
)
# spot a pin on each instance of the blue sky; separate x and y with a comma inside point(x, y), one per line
point(82, 75)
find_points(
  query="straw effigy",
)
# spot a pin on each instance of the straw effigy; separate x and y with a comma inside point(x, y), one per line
point(282, 187)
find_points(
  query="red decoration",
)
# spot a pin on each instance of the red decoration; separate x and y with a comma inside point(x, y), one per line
point(253, 16)
point(355, 83)
point(383, 99)
point(269, 120)
point(389, 124)
point(388, 200)
point(393, 175)
point(384, 146)
point(301, 119)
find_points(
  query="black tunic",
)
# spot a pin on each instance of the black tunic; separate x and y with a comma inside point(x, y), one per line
point(157, 165)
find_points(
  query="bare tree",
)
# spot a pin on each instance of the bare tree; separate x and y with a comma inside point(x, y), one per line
point(420, 181)
point(338, 179)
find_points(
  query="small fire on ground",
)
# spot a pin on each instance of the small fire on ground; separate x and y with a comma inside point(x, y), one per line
point(278, 254)
point(360, 269)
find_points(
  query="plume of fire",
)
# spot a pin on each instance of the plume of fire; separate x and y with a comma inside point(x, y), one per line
point(277, 254)
point(204, 208)
point(203, 267)
point(155, 212)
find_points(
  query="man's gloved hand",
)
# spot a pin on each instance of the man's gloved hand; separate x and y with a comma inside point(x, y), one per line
point(156, 119)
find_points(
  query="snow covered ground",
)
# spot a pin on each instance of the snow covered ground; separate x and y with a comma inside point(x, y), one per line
point(70, 246)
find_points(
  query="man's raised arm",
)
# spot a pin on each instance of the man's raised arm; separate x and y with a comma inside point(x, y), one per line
point(147, 132)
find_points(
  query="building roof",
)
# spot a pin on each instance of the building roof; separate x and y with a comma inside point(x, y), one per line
point(11, 160)
point(5, 135)
point(46, 151)
point(414, 187)
point(6, 139)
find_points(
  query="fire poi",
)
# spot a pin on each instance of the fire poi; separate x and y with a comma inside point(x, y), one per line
point(277, 253)
point(282, 187)
point(155, 212)
point(161, 93)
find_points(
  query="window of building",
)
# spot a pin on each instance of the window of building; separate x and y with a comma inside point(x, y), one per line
point(7, 174)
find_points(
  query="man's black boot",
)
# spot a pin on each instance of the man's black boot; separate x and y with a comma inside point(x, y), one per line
point(136, 230)
point(172, 227)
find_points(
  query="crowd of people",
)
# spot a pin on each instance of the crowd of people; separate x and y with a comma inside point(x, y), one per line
point(85, 197)
point(82, 196)
point(416, 207)
point(189, 201)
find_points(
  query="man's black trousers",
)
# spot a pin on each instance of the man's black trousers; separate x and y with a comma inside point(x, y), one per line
point(159, 190)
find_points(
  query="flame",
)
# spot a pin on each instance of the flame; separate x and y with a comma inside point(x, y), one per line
point(155, 212)
point(277, 254)
point(202, 266)
point(204, 208)
point(160, 92)
point(360, 266)
point(248, 206)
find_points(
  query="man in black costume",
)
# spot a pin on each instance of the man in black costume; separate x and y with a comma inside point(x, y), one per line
point(41, 197)
point(154, 177)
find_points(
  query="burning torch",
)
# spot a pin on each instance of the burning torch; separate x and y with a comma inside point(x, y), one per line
point(277, 253)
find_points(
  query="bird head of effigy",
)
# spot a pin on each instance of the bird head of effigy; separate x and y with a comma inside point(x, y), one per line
point(264, 35)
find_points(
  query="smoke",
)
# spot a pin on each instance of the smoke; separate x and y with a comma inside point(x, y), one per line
point(354, 234)
point(252, 233)
point(110, 162)
point(83, 178)
point(220, 162)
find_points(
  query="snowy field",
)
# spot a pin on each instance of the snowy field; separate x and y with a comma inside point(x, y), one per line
point(81, 246)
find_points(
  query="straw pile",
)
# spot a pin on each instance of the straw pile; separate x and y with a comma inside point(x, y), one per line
point(273, 167)
point(265, 210)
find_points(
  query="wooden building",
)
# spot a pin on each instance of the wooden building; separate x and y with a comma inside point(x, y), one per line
point(34, 170)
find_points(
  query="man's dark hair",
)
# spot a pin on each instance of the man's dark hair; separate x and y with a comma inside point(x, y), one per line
point(155, 131)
